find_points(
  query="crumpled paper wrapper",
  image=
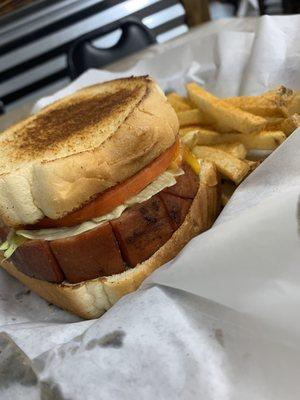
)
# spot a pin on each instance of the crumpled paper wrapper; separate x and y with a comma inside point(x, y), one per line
point(221, 320)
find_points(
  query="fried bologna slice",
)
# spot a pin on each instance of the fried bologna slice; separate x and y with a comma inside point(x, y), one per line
point(92, 298)
point(88, 255)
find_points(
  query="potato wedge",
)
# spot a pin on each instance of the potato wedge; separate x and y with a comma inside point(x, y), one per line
point(179, 103)
point(259, 106)
point(265, 140)
point(294, 104)
point(231, 167)
point(287, 125)
point(270, 104)
point(201, 136)
point(274, 123)
point(190, 138)
point(235, 149)
point(190, 117)
point(222, 115)
point(186, 129)
point(253, 164)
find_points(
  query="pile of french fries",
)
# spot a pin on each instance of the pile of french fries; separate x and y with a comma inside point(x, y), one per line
point(227, 130)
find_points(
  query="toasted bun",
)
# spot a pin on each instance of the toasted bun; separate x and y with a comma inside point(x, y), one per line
point(92, 298)
point(55, 161)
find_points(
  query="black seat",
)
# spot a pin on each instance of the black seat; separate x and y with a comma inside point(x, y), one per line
point(280, 7)
point(1, 108)
point(84, 55)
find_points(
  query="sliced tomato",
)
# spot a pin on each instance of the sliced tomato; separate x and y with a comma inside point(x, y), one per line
point(114, 196)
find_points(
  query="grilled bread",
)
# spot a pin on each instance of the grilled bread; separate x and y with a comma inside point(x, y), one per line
point(55, 161)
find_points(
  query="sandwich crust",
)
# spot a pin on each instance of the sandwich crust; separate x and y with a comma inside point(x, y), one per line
point(92, 298)
point(55, 161)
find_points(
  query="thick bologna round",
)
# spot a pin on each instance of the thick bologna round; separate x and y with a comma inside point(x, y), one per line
point(186, 185)
point(4, 230)
point(142, 230)
point(89, 255)
point(132, 238)
point(177, 208)
point(34, 258)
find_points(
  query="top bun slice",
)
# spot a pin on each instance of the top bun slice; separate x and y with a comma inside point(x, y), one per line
point(55, 161)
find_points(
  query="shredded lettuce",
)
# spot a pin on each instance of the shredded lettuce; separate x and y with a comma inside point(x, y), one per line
point(4, 245)
point(11, 244)
point(166, 179)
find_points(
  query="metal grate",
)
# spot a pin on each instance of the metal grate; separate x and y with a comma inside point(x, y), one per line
point(34, 42)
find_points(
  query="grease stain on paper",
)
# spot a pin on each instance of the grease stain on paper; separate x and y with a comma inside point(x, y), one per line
point(113, 339)
point(15, 366)
point(219, 337)
point(22, 293)
point(51, 391)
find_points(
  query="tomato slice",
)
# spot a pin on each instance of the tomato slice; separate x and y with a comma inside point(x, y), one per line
point(114, 196)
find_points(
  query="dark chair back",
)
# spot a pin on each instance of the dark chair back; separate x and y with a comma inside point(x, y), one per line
point(279, 7)
point(35, 40)
point(1, 108)
point(84, 55)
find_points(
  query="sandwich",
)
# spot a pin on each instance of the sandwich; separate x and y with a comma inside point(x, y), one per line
point(96, 192)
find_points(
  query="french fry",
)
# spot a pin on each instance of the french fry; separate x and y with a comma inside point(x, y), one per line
point(284, 94)
point(235, 149)
point(286, 125)
point(294, 104)
point(226, 164)
point(274, 123)
point(179, 103)
point(186, 129)
point(270, 104)
point(259, 106)
point(265, 140)
point(222, 115)
point(223, 132)
point(190, 138)
point(227, 189)
point(209, 180)
point(202, 136)
point(253, 164)
point(190, 117)
point(289, 125)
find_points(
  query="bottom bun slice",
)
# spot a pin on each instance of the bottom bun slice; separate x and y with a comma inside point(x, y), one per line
point(90, 299)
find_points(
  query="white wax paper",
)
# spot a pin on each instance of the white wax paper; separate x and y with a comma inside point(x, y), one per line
point(221, 320)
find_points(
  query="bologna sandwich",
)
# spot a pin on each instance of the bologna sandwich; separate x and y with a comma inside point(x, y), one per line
point(96, 192)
